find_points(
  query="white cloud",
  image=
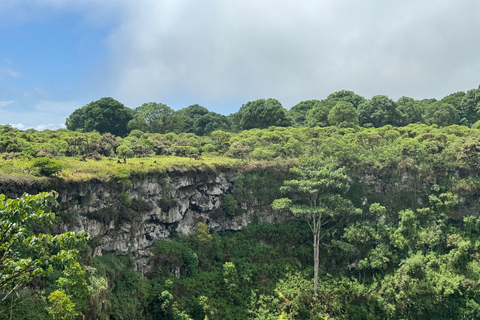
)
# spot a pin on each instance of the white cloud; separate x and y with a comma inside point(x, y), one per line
point(44, 114)
point(219, 50)
point(6, 103)
point(51, 126)
point(20, 126)
point(215, 51)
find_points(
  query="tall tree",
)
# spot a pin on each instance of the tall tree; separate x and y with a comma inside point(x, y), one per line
point(104, 115)
point(316, 197)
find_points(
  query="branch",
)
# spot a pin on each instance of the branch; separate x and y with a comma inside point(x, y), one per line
point(14, 276)
point(17, 304)
point(10, 292)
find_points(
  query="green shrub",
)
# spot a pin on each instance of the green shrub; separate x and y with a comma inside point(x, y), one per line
point(46, 167)
point(230, 205)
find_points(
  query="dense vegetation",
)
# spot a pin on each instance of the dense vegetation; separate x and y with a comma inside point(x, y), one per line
point(343, 109)
point(411, 168)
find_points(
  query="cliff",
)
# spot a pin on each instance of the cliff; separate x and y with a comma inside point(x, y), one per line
point(129, 215)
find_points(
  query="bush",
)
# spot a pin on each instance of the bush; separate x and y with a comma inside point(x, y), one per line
point(46, 167)
point(230, 205)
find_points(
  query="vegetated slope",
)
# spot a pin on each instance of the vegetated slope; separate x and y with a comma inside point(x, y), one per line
point(412, 256)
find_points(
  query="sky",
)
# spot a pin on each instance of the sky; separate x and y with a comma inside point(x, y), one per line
point(58, 55)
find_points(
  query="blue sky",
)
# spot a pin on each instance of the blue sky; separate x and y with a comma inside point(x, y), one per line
point(58, 55)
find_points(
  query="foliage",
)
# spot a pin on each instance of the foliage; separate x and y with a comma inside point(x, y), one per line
point(46, 167)
point(378, 111)
point(315, 196)
point(260, 114)
point(155, 118)
point(230, 205)
point(343, 115)
point(298, 112)
point(412, 254)
point(61, 308)
point(104, 115)
point(27, 254)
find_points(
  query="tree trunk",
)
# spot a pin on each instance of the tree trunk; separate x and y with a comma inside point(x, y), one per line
point(315, 262)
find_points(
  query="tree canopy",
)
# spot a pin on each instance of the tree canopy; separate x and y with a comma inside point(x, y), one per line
point(156, 118)
point(378, 111)
point(316, 197)
point(104, 115)
point(262, 113)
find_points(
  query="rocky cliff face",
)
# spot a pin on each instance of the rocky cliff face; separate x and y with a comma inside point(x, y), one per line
point(128, 217)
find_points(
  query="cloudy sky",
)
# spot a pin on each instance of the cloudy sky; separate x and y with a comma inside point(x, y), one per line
point(58, 55)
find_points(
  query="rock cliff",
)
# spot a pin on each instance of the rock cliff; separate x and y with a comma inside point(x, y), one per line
point(129, 216)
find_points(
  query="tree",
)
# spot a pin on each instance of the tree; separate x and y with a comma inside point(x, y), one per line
point(455, 99)
point(440, 113)
point(298, 112)
point(343, 115)
point(261, 114)
point(470, 106)
point(190, 114)
point(104, 115)
point(316, 197)
point(156, 118)
point(409, 111)
point(62, 308)
point(207, 123)
point(347, 96)
point(26, 254)
point(378, 112)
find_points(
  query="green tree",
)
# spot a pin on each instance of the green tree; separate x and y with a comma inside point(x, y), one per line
point(455, 99)
point(25, 254)
point(61, 307)
point(470, 106)
point(347, 96)
point(409, 111)
point(298, 112)
point(318, 115)
point(440, 113)
point(378, 112)
point(261, 114)
point(190, 114)
point(343, 115)
point(156, 118)
point(104, 115)
point(207, 123)
point(316, 197)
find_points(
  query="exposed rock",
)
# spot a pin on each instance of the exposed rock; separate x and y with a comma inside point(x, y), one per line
point(129, 219)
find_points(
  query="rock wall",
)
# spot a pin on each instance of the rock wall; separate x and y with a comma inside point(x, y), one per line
point(129, 217)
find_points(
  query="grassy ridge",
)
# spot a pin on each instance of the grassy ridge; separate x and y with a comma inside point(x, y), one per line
point(105, 169)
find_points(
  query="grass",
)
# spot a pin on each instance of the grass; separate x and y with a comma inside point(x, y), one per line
point(105, 169)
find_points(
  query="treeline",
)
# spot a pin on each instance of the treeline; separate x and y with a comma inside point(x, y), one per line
point(343, 109)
